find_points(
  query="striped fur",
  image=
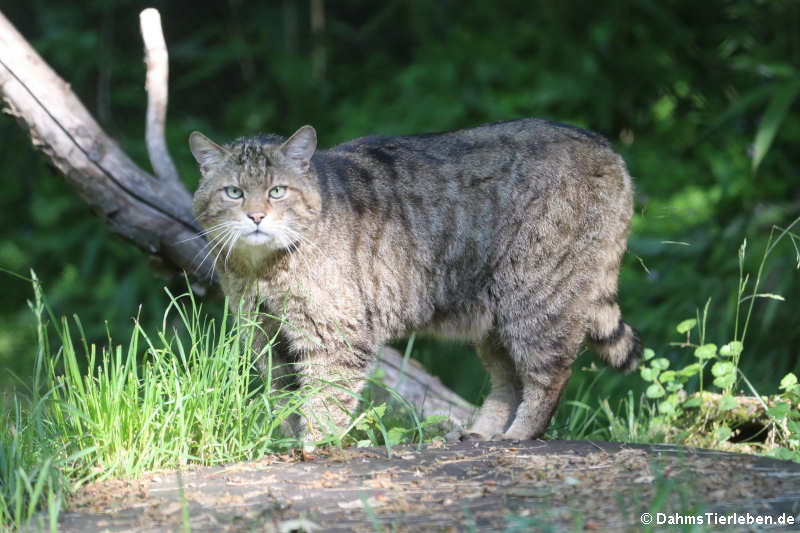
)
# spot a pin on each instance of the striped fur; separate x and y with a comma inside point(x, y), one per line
point(509, 235)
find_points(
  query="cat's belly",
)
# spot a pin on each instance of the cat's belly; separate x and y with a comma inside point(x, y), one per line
point(472, 323)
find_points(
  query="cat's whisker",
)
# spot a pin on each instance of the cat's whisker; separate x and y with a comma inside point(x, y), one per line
point(222, 244)
point(299, 254)
point(294, 235)
point(231, 238)
point(193, 237)
point(293, 251)
point(227, 223)
point(219, 240)
point(200, 251)
point(211, 240)
point(210, 251)
point(207, 231)
point(230, 248)
point(302, 238)
point(287, 235)
point(209, 245)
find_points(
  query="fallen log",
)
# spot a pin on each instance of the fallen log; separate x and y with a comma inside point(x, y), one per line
point(425, 392)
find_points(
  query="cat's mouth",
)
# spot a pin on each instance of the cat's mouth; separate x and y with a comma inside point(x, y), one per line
point(258, 237)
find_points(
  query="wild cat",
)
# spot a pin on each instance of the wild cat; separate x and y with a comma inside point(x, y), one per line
point(509, 235)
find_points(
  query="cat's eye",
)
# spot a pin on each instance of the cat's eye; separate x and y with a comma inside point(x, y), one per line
point(277, 192)
point(233, 192)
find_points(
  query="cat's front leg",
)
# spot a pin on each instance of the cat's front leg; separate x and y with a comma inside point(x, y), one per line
point(331, 380)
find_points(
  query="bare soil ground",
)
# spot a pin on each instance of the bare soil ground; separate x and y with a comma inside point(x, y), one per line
point(488, 486)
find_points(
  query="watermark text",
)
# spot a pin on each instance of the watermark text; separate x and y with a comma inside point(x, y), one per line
point(719, 519)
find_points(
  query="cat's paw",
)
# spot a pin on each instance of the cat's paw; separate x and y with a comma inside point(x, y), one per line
point(308, 449)
point(464, 435)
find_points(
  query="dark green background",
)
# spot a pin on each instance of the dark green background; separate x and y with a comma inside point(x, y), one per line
point(679, 87)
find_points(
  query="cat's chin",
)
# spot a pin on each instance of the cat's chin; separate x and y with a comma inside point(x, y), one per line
point(257, 246)
point(259, 238)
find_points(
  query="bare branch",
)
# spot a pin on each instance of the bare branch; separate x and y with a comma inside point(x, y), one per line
point(157, 60)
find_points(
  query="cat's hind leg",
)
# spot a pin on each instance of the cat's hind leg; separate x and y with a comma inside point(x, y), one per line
point(498, 408)
point(543, 358)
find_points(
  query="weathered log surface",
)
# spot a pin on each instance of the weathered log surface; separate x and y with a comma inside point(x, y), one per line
point(422, 390)
point(490, 486)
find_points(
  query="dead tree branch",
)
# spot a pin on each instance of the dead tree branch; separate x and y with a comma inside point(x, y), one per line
point(157, 60)
point(154, 214)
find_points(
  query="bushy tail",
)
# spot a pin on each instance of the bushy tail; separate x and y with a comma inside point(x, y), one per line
point(612, 339)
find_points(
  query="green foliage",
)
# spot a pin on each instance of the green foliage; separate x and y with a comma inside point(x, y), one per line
point(785, 415)
point(678, 407)
point(390, 430)
point(696, 401)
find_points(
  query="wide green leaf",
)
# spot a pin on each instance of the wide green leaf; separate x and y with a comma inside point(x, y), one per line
point(667, 376)
point(706, 351)
point(779, 410)
point(690, 370)
point(694, 401)
point(722, 433)
point(732, 349)
point(776, 111)
point(396, 435)
point(648, 374)
point(666, 407)
point(728, 402)
point(661, 363)
point(724, 382)
point(722, 368)
point(674, 386)
point(789, 381)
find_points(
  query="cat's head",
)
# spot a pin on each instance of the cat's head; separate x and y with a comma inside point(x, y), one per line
point(258, 195)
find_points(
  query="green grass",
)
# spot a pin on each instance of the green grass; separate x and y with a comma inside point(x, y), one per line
point(188, 393)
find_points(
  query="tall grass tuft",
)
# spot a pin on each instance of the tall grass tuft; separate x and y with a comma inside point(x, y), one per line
point(187, 394)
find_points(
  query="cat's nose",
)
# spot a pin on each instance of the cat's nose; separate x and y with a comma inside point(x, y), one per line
point(256, 217)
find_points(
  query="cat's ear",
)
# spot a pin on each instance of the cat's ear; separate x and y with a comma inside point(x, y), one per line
point(207, 153)
point(299, 148)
